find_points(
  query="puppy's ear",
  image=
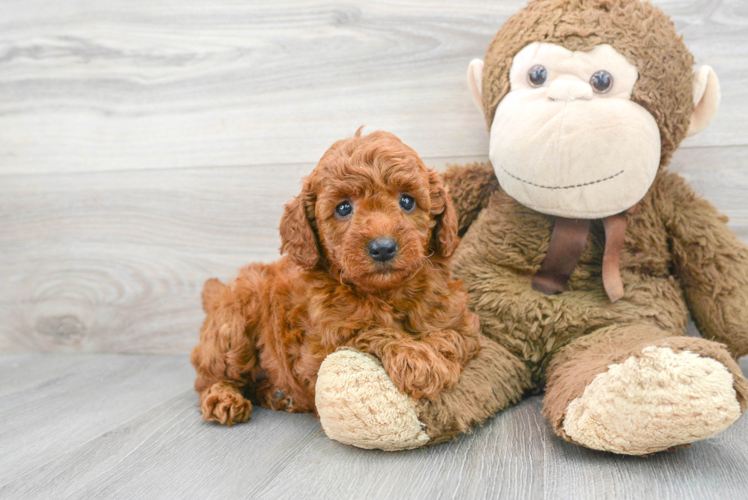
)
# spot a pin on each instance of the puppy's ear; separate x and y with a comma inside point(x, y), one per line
point(445, 233)
point(298, 240)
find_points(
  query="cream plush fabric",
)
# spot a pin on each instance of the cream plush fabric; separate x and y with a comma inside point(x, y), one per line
point(562, 149)
point(706, 98)
point(359, 405)
point(653, 402)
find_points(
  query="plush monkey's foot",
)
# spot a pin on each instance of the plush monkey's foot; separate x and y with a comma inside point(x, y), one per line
point(359, 405)
point(653, 401)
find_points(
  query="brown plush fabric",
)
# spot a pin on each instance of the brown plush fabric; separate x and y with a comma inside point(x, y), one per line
point(666, 259)
point(505, 247)
point(678, 256)
point(636, 29)
point(574, 367)
point(711, 264)
point(475, 183)
point(493, 380)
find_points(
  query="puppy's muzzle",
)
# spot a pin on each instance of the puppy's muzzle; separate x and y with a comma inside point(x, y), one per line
point(382, 249)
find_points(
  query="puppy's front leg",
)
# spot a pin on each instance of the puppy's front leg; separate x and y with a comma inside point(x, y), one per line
point(456, 346)
point(415, 367)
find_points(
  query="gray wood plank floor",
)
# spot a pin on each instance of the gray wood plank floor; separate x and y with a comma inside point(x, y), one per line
point(127, 426)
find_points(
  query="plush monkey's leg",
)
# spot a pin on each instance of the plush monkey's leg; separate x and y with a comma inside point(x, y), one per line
point(359, 405)
point(632, 389)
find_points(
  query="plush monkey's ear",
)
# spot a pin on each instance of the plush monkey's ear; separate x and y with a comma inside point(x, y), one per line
point(444, 234)
point(298, 241)
point(475, 82)
point(706, 97)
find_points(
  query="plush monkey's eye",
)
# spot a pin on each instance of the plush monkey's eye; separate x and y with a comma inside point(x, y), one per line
point(344, 209)
point(537, 75)
point(601, 82)
point(407, 203)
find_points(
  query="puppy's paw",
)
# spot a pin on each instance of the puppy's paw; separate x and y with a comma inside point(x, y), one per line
point(420, 370)
point(224, 404)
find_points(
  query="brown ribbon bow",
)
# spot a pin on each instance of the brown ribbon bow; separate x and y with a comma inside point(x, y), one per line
point(568, 240)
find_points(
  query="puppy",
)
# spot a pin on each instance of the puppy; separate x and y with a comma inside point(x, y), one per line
point(367, 246)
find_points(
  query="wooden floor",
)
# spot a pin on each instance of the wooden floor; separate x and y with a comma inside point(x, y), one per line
point(147, 145)
point(126, 426)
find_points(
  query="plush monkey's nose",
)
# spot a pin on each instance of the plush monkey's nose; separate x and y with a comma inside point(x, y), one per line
point(382, 249)
point(568, 90)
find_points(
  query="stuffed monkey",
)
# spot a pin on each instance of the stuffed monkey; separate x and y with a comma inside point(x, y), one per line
point(582, 254)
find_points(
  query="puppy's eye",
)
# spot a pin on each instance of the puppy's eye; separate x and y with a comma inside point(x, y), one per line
point(537, 75)
point(601, 81)
point(344, 209)
point(407, 203)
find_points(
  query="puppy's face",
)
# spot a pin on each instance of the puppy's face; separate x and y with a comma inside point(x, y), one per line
point(375, 226)
point(378, 213)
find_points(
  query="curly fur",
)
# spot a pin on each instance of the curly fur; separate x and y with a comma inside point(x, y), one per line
point(266, 333)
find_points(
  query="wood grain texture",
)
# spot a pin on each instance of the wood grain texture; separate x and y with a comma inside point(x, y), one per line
point(125, 85)
point(124, 426)
point(49, 406)
point(116, 261)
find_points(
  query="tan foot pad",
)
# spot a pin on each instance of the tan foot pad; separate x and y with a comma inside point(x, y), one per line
point(653, 402)
point(359, 405)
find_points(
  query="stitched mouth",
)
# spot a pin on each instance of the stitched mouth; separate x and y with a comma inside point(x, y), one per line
point(571, 186)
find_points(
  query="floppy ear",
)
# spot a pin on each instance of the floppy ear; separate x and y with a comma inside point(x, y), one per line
point(445, 232)
point(298, 240)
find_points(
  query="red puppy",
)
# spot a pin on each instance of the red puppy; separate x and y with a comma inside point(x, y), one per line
point(367, 246)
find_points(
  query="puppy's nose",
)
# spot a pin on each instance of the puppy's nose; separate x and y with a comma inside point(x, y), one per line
point(382, 249)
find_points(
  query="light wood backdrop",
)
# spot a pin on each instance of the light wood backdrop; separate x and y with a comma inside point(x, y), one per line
point(148, 145)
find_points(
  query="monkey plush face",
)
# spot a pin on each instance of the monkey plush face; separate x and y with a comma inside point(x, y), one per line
point(585, 100)
point(567, 140)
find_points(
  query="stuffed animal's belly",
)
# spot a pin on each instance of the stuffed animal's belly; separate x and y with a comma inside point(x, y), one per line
point(535, 326)
point(504, 248)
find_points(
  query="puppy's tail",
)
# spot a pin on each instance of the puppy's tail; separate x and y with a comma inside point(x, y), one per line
point(211, 294)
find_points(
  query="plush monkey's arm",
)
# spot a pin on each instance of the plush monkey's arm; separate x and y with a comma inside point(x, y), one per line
point(712, 264)
point(470, 187)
